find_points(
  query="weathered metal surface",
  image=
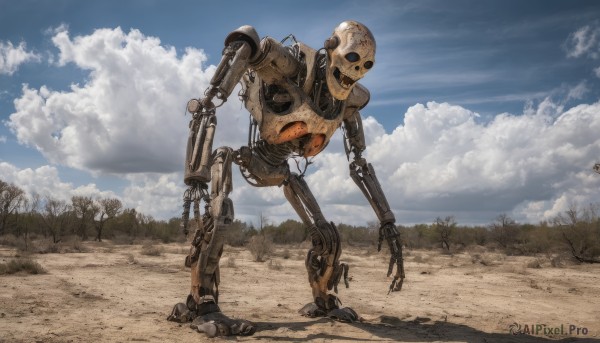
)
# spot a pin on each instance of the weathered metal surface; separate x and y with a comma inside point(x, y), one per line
point(297, 97)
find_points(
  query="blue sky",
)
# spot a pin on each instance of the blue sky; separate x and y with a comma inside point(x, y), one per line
point(494, 68)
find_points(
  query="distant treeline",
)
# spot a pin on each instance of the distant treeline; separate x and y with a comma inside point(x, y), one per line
point(576, 231)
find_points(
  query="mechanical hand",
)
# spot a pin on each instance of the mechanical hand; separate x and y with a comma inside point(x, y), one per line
point(390, 233)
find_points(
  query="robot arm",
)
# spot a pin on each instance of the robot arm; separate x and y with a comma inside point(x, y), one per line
point(241, 46)
point(364, 176)
point(243, 50)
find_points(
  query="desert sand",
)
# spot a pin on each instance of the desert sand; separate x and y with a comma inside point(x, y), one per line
point(113, 293)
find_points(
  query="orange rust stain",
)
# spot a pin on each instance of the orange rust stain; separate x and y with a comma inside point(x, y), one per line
point(291, 131)
point(316, 144)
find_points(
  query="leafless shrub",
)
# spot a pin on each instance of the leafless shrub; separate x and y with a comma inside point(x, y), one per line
point(535, 264)
point(131, 259)
point(476, 249)
point(275, 265)
point(9, 240)
point(562, 260)
point(108, 249)
point(521, 270)
point(26, 265)
point(260, 246)
point(286, 254)
point(581, 232)
point(149, 249)
point(122, 239)
point(484, 259)
point(230, 263)
point(533, 284)
point(305, 245)
point(76, 245)
point(48, 247)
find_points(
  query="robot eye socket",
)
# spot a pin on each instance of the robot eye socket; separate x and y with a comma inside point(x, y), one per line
point(352, 57)
point(368, 64)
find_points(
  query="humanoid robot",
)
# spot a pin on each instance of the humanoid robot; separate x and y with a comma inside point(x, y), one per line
point(297, 97)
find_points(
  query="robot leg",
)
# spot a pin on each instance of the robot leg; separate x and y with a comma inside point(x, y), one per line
point(323, 259)
point(201, 305)
point(208, 243)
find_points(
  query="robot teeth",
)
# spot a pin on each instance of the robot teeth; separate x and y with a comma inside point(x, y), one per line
point(343, 79)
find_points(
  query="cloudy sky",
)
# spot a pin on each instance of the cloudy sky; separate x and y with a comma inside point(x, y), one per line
point(478, 108)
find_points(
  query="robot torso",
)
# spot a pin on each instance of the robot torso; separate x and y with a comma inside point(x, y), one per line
point(289, 100)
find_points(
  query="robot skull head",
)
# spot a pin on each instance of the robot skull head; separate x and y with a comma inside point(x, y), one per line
point(350, 55)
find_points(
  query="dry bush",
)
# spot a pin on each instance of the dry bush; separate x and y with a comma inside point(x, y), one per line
point(286, 254)
point(533, 284)
point(131, 259)
point(230, 263)
point(48, 247)
point(71, 244)
point(108, 249)
point(305, 245)
point(24, 264)
point(521, 270)
point(535, 263)
point(562, 260)
point(484, 259)
point(260, 246)
point(75, 245)
point(275, 265)
point(11, 240)
point(122, 239)
point(476, 249)
point(149, 249)
point(22, 243)
point(557, 261)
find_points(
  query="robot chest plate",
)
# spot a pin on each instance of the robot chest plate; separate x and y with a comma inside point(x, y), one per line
point(288, 114)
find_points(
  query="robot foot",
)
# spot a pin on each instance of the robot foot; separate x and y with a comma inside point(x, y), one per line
point(217, 324)
point(345, 314)
point(209, 319)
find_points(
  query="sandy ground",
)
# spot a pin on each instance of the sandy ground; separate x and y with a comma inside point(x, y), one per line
point(113, 293)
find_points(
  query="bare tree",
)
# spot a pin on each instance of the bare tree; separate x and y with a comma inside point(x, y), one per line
point(581, 232)
point(85, 209)
point(128, 222)
point(260, 246)
point(444, 228)
point(264, 220)
point(109, 208)
point(504, 230)
point(146, 223)
point(55, 217)
point(30, 216)
point(11, 198)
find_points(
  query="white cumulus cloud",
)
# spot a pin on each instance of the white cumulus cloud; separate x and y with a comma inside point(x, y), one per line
point(11, 57)
point(156, 194)
point(45, 181)
point(128, 115)
point(443, 161)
